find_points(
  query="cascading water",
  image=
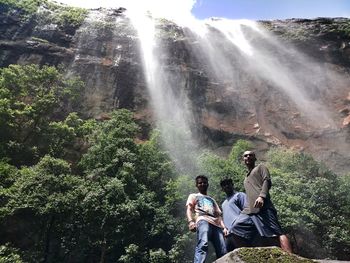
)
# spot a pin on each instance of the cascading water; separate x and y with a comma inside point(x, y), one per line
point(166, 86)
point(262, 56)
point(231, 52)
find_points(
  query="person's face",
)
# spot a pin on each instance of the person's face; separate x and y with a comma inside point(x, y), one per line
point(249, 158)
point(202, 185)
point(227, 188)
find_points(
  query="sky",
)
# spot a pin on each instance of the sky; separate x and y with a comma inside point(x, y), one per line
point(231, 9)
point(271, 9)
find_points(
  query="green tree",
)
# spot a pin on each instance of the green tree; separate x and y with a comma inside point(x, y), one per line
point(312, 203)
point(156, 168)
point(32, 100)
point(126, 199)
point(42, 201)
point(9, 254)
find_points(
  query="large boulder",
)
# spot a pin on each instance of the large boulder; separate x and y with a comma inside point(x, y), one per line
point(261, 254)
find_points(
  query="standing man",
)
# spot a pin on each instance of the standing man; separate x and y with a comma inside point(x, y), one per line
point(231, 208)
point(207, 221)
point(259, 212)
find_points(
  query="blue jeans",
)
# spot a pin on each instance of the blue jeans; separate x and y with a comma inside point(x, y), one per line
point(208, 232)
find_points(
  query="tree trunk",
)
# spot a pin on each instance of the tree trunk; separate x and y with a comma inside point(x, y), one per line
point(103, 249)
point(48, 239)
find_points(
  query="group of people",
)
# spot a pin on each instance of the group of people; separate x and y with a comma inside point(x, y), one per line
point(246, 218)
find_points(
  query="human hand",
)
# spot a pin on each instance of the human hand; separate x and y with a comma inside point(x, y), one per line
point(192, 226)
point(259, 202)
point(226, 232)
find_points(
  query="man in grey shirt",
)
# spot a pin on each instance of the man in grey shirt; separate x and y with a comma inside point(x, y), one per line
point(259, 215)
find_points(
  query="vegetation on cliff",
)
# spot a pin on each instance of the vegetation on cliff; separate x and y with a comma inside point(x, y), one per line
point(295, 29)
point(64, 16)
point(86, 191)
point(27, 6)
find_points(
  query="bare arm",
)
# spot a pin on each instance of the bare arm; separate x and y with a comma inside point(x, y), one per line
point(189, 212)
point(190, 220)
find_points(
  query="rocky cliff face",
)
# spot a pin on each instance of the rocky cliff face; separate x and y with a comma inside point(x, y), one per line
point(248, 101)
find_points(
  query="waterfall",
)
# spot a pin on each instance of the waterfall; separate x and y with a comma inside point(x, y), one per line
point(205, 78)
point(166, 85)
point(241, 46)
point(236, 56)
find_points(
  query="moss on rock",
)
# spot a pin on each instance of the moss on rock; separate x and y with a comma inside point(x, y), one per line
point(262, 254)
point(271, 255)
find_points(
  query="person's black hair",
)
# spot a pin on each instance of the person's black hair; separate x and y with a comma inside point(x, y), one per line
point(201, 177)
point(226, 181)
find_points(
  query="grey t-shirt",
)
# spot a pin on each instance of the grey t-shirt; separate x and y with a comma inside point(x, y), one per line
point(257, 183)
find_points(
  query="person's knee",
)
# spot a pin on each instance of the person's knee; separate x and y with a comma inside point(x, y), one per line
point(285, 244)
point(217, 239)
point(202, 245)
